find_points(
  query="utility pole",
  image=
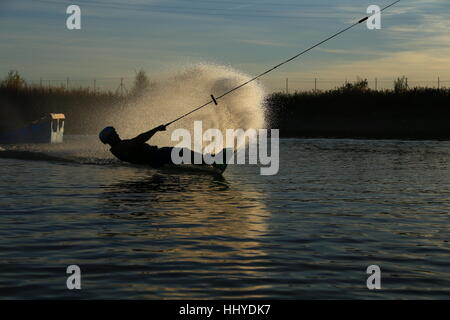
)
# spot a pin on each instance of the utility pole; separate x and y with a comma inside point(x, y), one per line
point(315, 84)
point(287, 85)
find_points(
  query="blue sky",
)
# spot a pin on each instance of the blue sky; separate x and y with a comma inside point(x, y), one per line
point(119, 37)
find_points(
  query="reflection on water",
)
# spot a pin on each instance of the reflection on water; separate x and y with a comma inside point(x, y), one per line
point(190, 220)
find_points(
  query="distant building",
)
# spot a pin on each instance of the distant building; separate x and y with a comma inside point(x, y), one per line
point(48, 129)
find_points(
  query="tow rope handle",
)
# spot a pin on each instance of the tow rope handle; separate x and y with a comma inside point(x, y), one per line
point(214, 100)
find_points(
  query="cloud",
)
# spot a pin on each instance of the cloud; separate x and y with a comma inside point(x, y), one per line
point(264, 43)
point(156, 33)
point(425, 65)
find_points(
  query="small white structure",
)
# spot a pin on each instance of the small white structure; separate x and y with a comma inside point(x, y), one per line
point(48, 129)
point(57, 127)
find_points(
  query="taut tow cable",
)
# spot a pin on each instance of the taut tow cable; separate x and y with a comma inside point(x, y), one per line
point(214, 99)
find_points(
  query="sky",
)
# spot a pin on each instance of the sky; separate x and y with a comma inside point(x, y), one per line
point(118, 38)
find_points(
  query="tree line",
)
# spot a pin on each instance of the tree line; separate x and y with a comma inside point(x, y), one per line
point(350, 110)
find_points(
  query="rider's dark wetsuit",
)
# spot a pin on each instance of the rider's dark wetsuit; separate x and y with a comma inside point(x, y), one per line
point(142, 153)
point(137, 151)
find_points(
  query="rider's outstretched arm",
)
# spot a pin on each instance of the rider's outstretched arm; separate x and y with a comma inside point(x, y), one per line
point(144, 137)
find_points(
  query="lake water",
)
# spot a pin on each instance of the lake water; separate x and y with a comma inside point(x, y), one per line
point(336, 207)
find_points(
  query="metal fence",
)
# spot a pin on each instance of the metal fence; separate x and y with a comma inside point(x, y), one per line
point(291, 85)
point(122, 85)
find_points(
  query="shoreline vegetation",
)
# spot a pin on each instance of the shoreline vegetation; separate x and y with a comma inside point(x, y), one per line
point(352, 110)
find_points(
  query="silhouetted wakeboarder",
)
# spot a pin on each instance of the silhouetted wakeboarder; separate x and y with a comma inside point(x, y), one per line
point(137, 151)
